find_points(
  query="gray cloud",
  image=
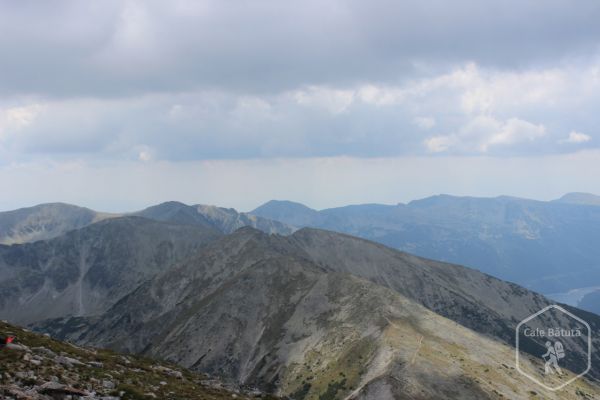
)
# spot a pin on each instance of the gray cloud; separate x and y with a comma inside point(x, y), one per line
point(468, 110)
point(186, 80)
point(116, 48)
point(119, 104)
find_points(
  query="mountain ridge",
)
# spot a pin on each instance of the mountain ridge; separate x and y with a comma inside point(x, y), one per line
point(264, 304)
point(50, 220)
point(524, 241)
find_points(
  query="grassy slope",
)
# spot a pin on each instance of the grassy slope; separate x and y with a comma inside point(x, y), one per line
point(424, 356)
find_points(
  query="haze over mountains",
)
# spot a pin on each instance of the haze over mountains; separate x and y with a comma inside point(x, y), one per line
point(549, 247)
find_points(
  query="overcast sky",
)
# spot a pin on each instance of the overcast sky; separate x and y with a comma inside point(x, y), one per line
point(117, 105)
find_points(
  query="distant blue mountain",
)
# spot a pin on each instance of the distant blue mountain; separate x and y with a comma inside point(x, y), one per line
point(580, 198)
point(546, 246)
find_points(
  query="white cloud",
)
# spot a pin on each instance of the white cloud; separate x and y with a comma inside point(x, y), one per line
point(14, 119)
point(424, 122)
point(515, 131)
point(576, 138)
point(482, 133)
point(252, 107)
point(335, 101)
point(439, 144)
point(145, 153)
point(380, 95)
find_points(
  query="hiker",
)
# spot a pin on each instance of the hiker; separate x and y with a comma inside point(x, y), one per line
point(4, 340)
point(555, 352)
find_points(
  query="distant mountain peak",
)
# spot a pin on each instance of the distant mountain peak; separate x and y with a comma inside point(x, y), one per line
point(45, 221)
point(283, 204)
point(224, 220)
point(580, 198)
point(292, 213)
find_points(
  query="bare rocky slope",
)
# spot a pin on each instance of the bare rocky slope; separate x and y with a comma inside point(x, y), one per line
point(321, 315)
point(85, 271)
point(36, 367)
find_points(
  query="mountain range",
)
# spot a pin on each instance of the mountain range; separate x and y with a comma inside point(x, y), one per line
point(308, 313)
point(47, 221)
point(549, 247)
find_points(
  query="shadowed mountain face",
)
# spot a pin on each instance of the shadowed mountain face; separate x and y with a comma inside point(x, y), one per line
point(44, 221)
point(591, 302)
point(86, 271)
point(546, 246)
point(324, 314)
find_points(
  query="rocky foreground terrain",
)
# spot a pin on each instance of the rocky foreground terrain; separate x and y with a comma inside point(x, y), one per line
point(36, 367)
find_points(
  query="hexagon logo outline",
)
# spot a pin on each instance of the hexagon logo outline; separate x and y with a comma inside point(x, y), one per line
point(589, 345)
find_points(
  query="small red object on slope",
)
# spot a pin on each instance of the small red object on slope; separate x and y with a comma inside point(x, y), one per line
point(4, 340)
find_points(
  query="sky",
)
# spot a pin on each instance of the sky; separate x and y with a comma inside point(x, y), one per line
point(117, 105)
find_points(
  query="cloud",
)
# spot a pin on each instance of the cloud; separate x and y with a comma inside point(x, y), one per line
point(335, 101)
point(145, 153)
point(16, 118)
point(116, 48)
point(424, 122)
point(467, 110)
point(514, 131)
point(439, 144)
point(576, 137)
point(123, 81)
point(483, 133)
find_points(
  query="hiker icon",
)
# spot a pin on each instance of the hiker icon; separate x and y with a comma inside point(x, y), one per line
point(555, 352)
